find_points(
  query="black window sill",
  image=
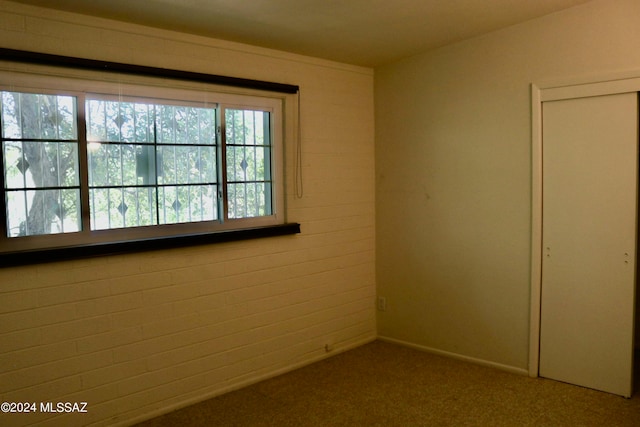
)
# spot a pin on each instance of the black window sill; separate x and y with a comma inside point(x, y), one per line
point(12, 259)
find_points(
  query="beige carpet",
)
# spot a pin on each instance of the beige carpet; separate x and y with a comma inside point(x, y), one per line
point(382, 384)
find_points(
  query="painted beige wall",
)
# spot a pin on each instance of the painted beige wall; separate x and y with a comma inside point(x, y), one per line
point(453, 176)
point(136, 335)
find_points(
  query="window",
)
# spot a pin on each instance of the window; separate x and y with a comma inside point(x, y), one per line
point(96, 162)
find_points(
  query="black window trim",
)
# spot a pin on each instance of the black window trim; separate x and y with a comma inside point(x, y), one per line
point(61, 253)
point(29, 57)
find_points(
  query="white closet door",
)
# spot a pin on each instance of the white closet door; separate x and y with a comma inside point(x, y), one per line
point(590, 163)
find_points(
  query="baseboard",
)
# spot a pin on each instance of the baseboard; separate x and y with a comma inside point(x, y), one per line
point(502, 367)
point(241, 384)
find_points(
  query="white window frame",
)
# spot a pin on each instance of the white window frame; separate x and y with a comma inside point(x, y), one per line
point(45, 79)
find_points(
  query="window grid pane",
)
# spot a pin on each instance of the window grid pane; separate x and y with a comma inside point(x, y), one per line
point(248, 155)
point(40, 163)
point(167, 177)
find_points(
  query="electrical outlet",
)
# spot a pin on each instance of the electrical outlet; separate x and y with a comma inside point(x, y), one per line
point(382, 304)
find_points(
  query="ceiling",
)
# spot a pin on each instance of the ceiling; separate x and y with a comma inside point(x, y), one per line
point(360, 32)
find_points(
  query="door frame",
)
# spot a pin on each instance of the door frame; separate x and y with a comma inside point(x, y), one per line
point(554, 91)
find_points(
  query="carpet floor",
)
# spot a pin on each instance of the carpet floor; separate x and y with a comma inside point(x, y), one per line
point(383, 384)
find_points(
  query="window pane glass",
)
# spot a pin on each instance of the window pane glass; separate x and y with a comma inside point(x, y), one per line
point(187, 203)
point(15, 165)
point(248, 155)
point(11, 117)
point(169, 177)
point(36, 212)
point(187, 164)
point(143, 122)
point(41, 166)
point(248, 164)
point(185, 125)
point(205, 131)
point(38, 116)
point(113, 121)
point(123, 207)
point(248, 200)
point(32, 164)
point(120, 164)
point(247, 127)
point(126, 122)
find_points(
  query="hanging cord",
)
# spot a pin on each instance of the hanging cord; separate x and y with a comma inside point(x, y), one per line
point(298, 186)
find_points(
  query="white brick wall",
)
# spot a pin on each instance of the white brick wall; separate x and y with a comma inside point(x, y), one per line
point(137, 335)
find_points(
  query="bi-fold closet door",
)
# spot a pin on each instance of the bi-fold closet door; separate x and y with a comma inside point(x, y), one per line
point(589, 229)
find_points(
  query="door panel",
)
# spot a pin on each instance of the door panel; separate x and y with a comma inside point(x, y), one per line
point(590, 152)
